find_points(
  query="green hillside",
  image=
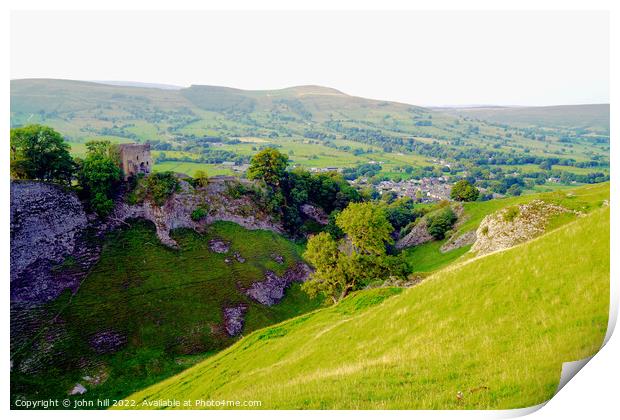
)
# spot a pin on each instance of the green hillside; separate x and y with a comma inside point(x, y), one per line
point(317, 127)
point(427, 258)
point(590, 116)
point(162, 307)
point(493, 331)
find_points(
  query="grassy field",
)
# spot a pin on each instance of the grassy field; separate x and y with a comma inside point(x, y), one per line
point(427, 257)
point(495, 332)
point(190, 168)
point(166, 303)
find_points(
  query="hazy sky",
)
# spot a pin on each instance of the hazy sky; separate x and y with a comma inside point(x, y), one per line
point(424, 58)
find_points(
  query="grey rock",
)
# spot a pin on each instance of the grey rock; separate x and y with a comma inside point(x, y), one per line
point(418, 235)
point(457, 241)
point(78, 389)
point(271, 290)
point(233, 319)
point(219, 246)
point(176, 211)
point(48, 224)
point(514, 225)
point(315, 213)
point(107, 342)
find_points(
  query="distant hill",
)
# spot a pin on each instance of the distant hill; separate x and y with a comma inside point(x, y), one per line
point(487, 333)
point(316, 126)
point(138, 84)
point(592, 116)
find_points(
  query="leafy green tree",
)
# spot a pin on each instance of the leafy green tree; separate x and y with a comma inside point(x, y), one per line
point(463, 190)
point(401, 212)
point(99, 175)
point(366, 226)
point(514, 190)
point(438, 223)
point(39, 152)
point(329, 278)
point(331, 227)
point(339, 273)
point(359, 258)
point(268, 165)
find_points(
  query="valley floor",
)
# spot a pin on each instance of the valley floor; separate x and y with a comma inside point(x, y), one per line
point(487, 334)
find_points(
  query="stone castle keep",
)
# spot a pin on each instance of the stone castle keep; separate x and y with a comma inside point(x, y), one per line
point(135, 159)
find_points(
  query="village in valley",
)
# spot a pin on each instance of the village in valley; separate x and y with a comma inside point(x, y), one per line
point(423, 190)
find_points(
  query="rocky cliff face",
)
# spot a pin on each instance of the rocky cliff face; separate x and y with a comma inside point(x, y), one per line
point(54, 243)
point(419, 234)
point(514, 225)
point(48, 224)
point(177, 210)
point(458, 241)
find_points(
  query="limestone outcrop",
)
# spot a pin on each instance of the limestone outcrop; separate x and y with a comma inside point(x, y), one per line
point(458, 240)
point(48, 224)
point(419, 234)
point(271, 289)
point(514, 225)
point(177, 210)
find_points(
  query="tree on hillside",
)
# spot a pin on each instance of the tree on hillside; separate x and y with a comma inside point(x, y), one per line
point(366, 226)
point(463, 190)
point(342, 266)
point(268, 165)
point(514, 190)
point(440, 222)
point(99, 175)
point(39, 152)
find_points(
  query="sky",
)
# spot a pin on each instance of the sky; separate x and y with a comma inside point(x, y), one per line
point(423, 58)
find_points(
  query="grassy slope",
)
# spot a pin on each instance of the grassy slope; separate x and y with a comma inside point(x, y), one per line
point(168, 303)
point(427, 257)
point(497, 329)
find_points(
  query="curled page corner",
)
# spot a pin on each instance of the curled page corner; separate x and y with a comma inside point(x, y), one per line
point(570, 369)
point(613, 316)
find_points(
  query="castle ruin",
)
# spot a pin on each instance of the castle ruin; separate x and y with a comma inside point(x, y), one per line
point(135, 159)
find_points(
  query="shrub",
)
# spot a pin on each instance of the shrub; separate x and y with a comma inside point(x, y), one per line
point(200, 179)
point(99, 176)
point(440, 222)
point(157, 187)
point(236, 190)
point(199, 214)
point(511, 213)
point(101, 204)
